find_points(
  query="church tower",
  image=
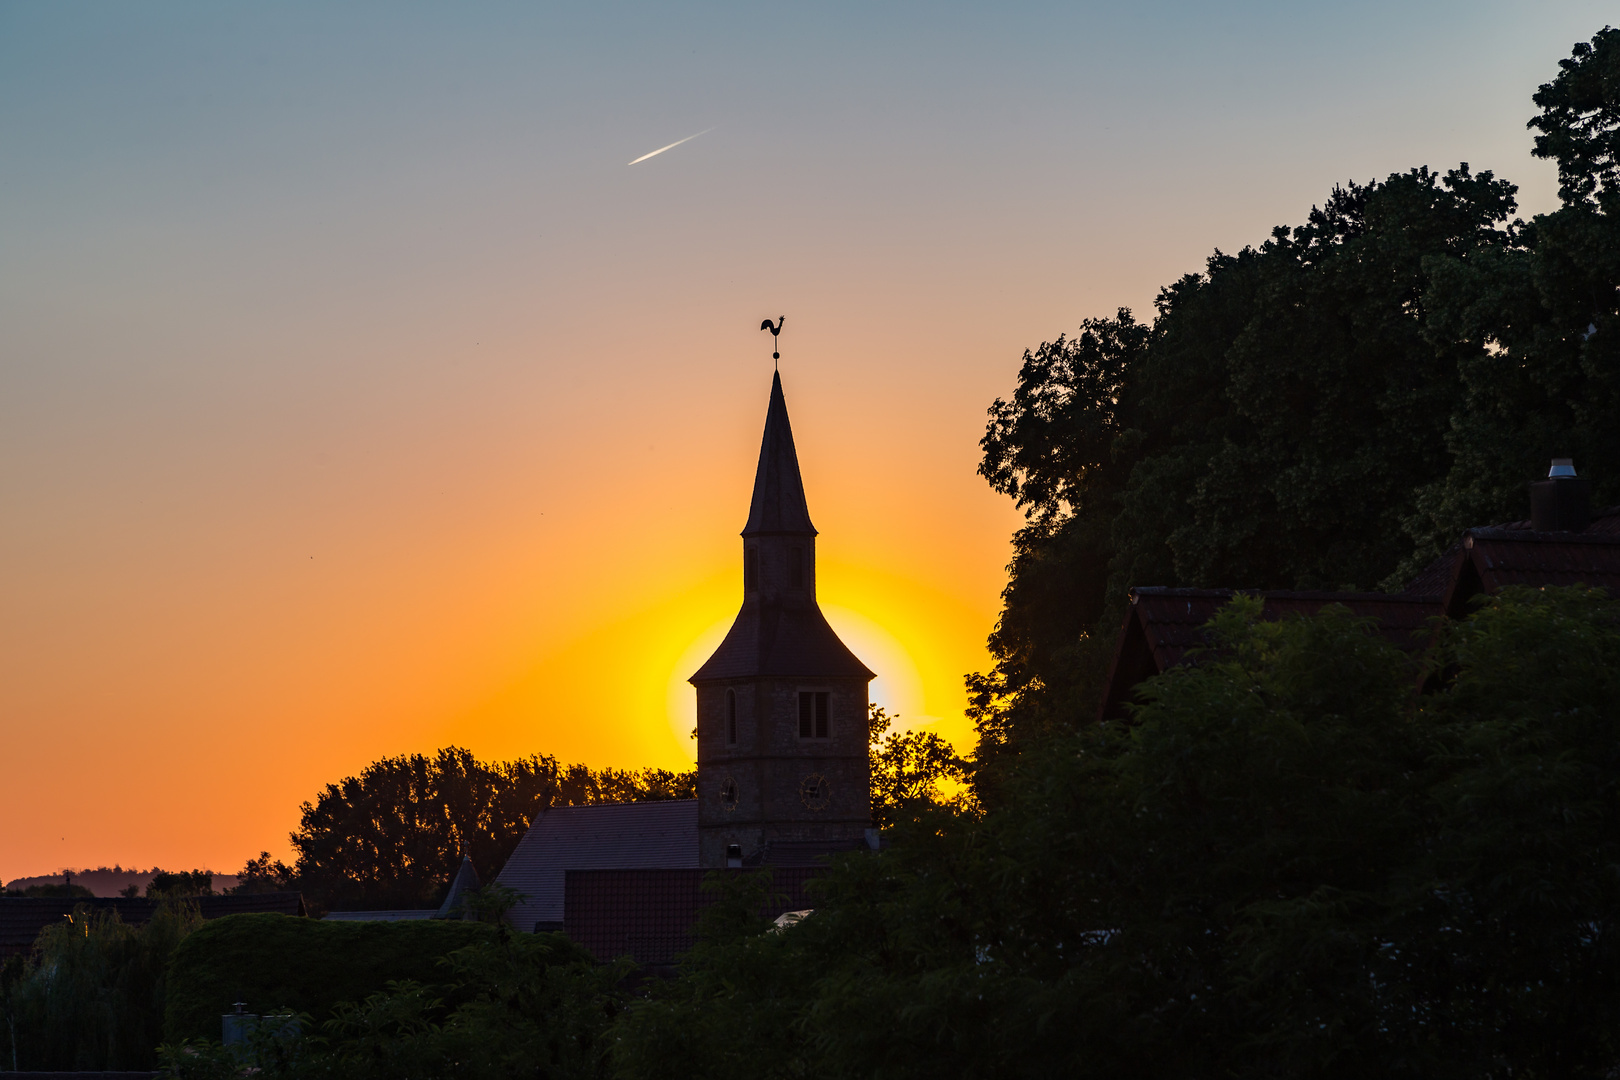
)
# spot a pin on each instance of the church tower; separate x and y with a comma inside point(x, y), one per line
point(781, 705)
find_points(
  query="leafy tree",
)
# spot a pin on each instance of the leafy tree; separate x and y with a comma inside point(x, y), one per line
point(508, 1006)
point(264, 874)
point(1270, 429)
point(911, 771)
point(66, 890)
point(736, 1008)
point(179, 883)
point(1546, 308)
point(1326, 410)
point(1286, 864)
point(394, 835)
point(1058, 448)
point(91, 997)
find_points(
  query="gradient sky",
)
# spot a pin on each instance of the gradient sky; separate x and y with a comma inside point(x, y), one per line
point(357, 398)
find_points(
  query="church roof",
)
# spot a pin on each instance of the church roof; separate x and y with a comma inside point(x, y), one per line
point(466, 881)
point(778, 505)
point(777, 639)
point(609, 836)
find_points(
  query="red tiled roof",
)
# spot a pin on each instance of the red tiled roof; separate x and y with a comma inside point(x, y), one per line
point(648, 915)
point(1162, 624)
point(23, 917)
point(1497, 558)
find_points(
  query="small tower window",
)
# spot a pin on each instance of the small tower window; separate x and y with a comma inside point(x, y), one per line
point(796, 568)
point(813, 714)
point(751, 570)
point(731, 718)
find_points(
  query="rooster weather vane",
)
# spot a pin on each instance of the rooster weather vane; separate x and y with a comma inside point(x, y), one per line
point(775, 328)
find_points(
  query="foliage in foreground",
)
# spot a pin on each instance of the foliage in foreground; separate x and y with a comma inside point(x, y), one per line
point(1325, 410)
point(277, 963)
point(1287, 864)
point(92, 997)
point(508, 1005)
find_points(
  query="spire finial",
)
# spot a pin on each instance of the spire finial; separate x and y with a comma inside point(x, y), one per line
point(775, 328)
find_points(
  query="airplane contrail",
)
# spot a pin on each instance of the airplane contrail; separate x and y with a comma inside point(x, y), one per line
point(671, 146)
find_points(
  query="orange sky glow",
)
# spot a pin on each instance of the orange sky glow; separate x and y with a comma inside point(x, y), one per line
point(358, 399)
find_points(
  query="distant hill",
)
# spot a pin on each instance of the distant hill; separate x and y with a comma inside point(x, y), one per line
point(109, 881)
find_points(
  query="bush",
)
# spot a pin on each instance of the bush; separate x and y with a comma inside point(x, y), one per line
point(278, 963)
point(92, 998)
point(1288, 862)
point(507, 1006)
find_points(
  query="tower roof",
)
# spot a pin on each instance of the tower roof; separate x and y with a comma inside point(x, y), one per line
point(778, 640)
point(780, 634)
point(778, 505)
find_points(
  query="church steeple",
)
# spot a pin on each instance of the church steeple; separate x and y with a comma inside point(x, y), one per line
point(778, 506)
point(781, 705)
point(780, 629)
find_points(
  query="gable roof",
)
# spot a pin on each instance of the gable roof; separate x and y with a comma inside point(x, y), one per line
point(611, 836)
point(1163, 624)
point(1493, 558)
point(778, 504)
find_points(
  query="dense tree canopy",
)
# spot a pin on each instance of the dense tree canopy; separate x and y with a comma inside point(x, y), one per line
point(392, 836)
point(1287, 864)
point(1324, 411)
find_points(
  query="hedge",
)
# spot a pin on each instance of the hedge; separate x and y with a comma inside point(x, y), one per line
point(282, 963)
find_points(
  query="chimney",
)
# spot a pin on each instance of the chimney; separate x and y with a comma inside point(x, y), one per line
point(1563, 501)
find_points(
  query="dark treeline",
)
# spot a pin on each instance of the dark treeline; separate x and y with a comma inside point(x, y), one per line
point(1287, 864)
point(393, 836)
point(1327, 410)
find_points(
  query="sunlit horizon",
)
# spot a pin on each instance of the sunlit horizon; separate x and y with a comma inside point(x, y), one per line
point(359, 400)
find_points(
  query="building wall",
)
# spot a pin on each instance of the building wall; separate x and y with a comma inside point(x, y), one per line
point(770, 766)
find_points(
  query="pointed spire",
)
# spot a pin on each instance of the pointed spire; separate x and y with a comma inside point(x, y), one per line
point(778, 505)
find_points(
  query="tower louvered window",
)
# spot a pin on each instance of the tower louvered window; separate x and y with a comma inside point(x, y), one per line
point(813, 714)
point(731, 718)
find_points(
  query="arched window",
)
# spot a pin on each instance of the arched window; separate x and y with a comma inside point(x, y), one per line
point(751, 569)
point(731, 718)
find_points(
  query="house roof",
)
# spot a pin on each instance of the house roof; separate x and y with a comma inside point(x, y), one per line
point(1497, 557)
point(612, 836)
point(778, 504)
point(23, 917)
point(1163, 624)
point(649, 915)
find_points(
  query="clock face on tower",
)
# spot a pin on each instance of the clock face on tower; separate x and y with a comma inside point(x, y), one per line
point(815, 792)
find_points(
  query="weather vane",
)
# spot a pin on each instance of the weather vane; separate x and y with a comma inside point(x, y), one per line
point(775, 328)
